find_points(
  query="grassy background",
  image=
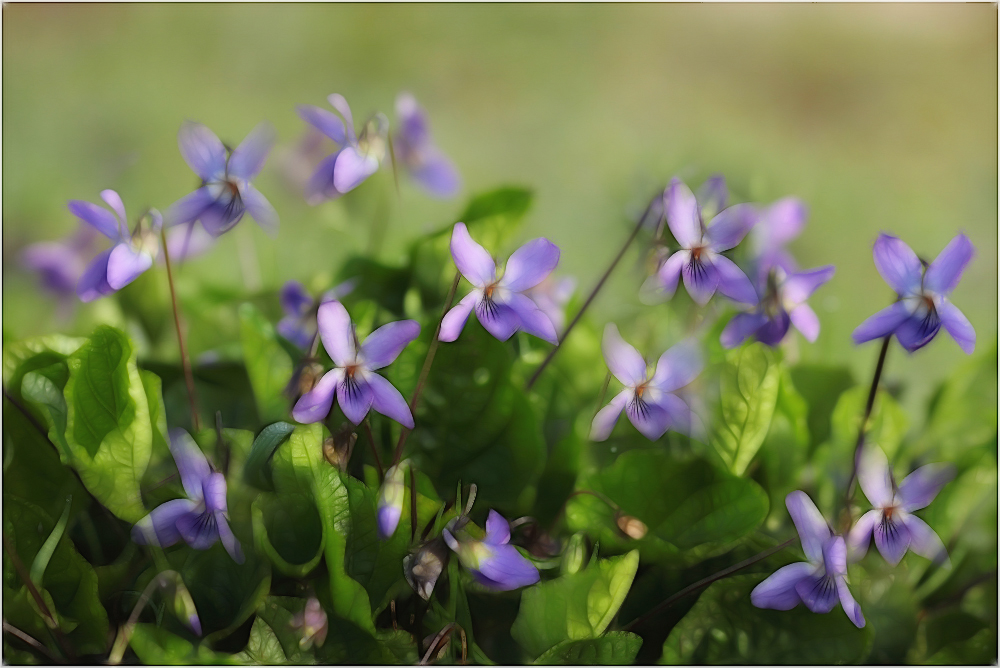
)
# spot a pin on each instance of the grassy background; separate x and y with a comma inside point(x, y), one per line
point(879, 117)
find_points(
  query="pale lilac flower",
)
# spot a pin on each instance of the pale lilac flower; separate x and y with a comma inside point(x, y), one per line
point(311, 623)
point(892, 521)
point(359, 156)
point(200, 519)
point(60, 264)
point(226, 192)
point(699, 259)
point(187, 242)
point(923, 306)
point(782, 304)
point(777, 225)
point(821, 581)
point(353, 381)
point(649, 398)
point(390, 499)
point(551, 296)
point(493, 561)
point(299, 323)
point(500, 303)
point(428, 166)
point(131, 254)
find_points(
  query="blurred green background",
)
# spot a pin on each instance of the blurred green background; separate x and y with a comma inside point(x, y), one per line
point(881, 117)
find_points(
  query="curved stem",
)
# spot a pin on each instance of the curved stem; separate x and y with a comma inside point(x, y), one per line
point(371, 442)
point(125, 634)
point(185, 361)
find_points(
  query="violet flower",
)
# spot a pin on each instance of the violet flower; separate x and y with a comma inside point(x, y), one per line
point(500, 304)
point(59, 264)
point(923, 306)
point(649, 399)
point(390, 500)
point(299, 323)
point(200, 519)
point(551, 296)
point(817, 583)
point(427, 165)
point(777, 225)
point(891, 520)
point(493, 561)
point(226, 192)
point(782, 304)
point(311, 623)
point(354, 381)
point(359, 156)
point(131, 254)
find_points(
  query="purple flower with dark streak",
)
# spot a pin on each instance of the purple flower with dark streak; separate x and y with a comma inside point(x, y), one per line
point(923, 306)
point(782, 304)
point(649, 399)
point(131, 254)
point(359, 156)
point(226, 192)
point(821, 581)
point(299, 323)
point(891, 520)
point(493, 561)
point(428, 166)
point(700, 260)
point(777, 225)
point(200, 519)
point(500, 303)
point(354, 381)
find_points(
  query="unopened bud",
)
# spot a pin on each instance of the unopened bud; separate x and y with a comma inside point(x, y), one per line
point(312, 623)
point(575, 554)
point(183, 604)
point(423, 568)
point(309, 376)
point(630, 526)
point(337, 449)
point(390, 499)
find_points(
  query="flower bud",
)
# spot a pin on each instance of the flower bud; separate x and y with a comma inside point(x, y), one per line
point(181, 601)
point(423, 568)
point(630, 526)
point(575, 554)
point(390, 499)
point(312, 623)
point(337, 449)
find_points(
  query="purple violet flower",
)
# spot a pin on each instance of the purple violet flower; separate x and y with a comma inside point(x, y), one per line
point(817, 583)
point(390, 500)
point(428, 166)
point(59, 264)
point(500, 304)
point(923, 306)
point(200, 519)
point(131, 254)
point(551, 296)
point(777, 225)
point(891, 520)
point(782, 304)
point(493, 561)
point(311, 623)
point(299, 323)
point(226, 192)
point(699, 259)
point(649, 399)
point(359, 156)
point(354, 381)
point(187, 242)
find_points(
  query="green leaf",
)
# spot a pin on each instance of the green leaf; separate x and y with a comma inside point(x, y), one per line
point(618, 648)
point(157, 646)
point(573, 607)
point(294, 522)
point(749, 391)
point(262, 648)
point(257, 470)
point(510, 202)
point(348, 643)
point(886, 427)
point(821, 387)
point(45, 552)
point(786, 447)
point(268, 365)
point(724, 627)
point(153, 386)
point(51, 349)
point(380, 283)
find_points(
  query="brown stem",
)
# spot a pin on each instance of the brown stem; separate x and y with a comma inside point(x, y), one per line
point(704, 582)
point(371, 442)
point(590, 297)
point(50, 619)
point(185, 362)
point(24, 637)
point(431, 351)
point(413, 504)
point(125, 633)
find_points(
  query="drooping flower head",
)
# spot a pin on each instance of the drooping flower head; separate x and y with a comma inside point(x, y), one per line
point(353, 380)
point(131, 254)
point(226, 192)
point(427, 165)
point(500, 302)
point(777, 225)
point(311, 623)
point(359, 155)
point(923, 306)
point(60, 264)
point(299, 323)
point(390, 499)
point(892, 521)
point(821, 581)
point(782, 304)
point(699, 259)
point(649, 398)
point(493, 561)
point(202, 518)
point(551, 296)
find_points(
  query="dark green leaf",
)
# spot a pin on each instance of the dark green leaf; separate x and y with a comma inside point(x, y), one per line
point(263, 647)
point(268, 365)
point(287, 530)
point(617, 648)
point(157, 646)
point(257, 470)
point(821, 387)
point(382, 284)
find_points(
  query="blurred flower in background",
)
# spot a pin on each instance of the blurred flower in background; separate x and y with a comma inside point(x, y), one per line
point(426, 164)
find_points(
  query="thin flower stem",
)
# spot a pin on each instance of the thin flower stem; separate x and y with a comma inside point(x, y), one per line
point(371, 442)
point(37, 646)
point(422, 379)
point(413, 504)
point(125, 633)
point(185, 361)
point(704, 582)
point(604, 391)
point(593, 294)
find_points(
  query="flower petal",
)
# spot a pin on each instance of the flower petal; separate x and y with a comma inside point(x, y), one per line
point(499, 319)
point(783, 221)
point(956, 324)
point(337, 333)
point(919, 329)
point(798, 287)
point(497, 529)
point(507, 569)
point(159, 527)
point(530, 264)
point(606, 418)
point(805, 320)
point(924, 541)
point(623, 360)
point(454, 320)
point(295, 330)
point(701, 280)
point(437, 175)
point(875, 476)
point(387, 400)
point(835, 555)
point(260, 210)
point(412, 119)
point(729, 227)
point(678, 366)
point(94, 282)
point(387, 519)
point(189, 241)
point(228, 539)
point(812, 528)
point(200, 531)
point(774, 329)
point(850, 606)
point(892, 538)
point(860, 535)
point(881, 324)
point(682, 214)
point(248, 158)
point(944, 273)
point(733, 283)
point(125, 264)
point(355, 396)
point(777, 592)
point(202, 150)
point(315, 404)
point(215, 493)
point(320, 185)
point(897, 263)
point(114, 200)
point(189, 208)
point(712, 196)
point(192, 465)
point(338, 102)
point(678, 413)
point(649, 418)
point(352, 168)
point(295, 299)
point(534, 321)
point(471, 259)
point(818, 592)
point(670, 272)
point(323, 120)
point(920, 487)
point(97, 217)
point(383, 345)
point(741, 328)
